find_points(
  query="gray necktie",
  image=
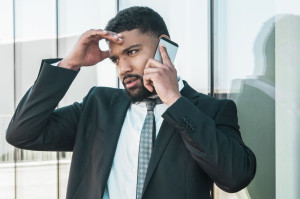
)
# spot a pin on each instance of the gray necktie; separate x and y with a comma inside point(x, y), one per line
point(145, 148)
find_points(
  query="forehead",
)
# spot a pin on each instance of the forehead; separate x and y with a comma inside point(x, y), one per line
point(131, 38)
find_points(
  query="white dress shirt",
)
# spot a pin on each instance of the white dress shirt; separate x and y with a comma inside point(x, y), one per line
point(123, 175)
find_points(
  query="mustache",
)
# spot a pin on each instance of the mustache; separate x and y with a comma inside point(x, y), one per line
point(131, 75)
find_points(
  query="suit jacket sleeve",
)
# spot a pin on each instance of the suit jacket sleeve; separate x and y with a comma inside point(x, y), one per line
point(36, 125)
point(214, 142)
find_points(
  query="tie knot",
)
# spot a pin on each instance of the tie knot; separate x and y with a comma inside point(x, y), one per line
point(150, 104)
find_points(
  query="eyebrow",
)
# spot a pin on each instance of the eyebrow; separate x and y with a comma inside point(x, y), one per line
point(126, 50)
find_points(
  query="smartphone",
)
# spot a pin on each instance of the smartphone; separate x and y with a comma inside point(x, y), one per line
point(171, 49)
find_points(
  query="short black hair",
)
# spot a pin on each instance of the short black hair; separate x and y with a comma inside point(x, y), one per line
point(143, 18)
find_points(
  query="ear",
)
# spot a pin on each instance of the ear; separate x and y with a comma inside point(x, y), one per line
point(163, 35)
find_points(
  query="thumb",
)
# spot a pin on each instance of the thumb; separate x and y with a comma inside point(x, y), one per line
point(148, 85)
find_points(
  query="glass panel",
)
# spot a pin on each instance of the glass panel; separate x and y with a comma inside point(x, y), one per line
point(287, 31)
point(244, 72)
point(35, 40)
point(64, 169)
point(188, 26)
point(7, 166)
point(75, 18)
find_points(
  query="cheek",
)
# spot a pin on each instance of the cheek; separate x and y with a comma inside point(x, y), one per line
point(140, 64)
point(118, 73)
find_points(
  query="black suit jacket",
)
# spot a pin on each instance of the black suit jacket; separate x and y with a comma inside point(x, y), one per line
point(198, 143)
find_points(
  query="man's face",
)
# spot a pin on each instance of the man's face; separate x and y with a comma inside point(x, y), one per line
point(130, 58)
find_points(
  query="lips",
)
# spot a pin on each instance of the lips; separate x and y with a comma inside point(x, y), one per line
point(130, 82)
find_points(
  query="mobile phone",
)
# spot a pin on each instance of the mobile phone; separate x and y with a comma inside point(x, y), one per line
point(171, 49)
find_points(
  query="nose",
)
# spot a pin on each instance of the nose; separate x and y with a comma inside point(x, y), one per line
point(124, 67)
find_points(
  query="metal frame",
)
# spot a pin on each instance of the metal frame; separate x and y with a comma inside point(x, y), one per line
point(57, 54)
point(212, 46)
point(212, 57)
point(15, 90)
point(117, 10)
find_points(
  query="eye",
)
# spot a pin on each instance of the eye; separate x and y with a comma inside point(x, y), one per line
point(115, 60)
point(132, 52)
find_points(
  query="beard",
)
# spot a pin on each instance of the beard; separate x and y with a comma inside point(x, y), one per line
point(138, 92)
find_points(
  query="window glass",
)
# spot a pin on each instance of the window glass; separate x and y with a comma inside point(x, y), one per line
point(35, 40)
point(7, 172)
point(245, 73)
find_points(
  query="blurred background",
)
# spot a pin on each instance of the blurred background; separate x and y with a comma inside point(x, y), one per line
point(247, 51)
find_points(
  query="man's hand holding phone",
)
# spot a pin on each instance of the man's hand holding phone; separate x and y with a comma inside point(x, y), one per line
point(162, 77)
point(87, 52)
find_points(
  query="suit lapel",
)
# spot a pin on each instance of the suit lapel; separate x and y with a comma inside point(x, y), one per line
point(165, 133)
point(118, 109)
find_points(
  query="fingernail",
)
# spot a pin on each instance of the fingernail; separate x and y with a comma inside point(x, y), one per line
point(119, 35)
point(120, 38)
point(115, 36)
point(104, 31)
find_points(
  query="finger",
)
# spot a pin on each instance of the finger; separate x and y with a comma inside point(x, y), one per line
point(152, 63)
point(94, 33)
point(151, 71)
point(149, 87)
point(104, 34)
point(117, 38)
point(165, 56)
point(148, 83)
point(91, 36)
point(114, 34)
point(94, 39)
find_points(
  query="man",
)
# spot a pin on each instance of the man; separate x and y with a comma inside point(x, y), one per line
point(196, 139)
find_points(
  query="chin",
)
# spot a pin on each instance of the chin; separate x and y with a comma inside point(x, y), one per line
point(138, 94)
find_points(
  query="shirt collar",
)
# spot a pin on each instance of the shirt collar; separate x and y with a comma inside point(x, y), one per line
point(180, 83)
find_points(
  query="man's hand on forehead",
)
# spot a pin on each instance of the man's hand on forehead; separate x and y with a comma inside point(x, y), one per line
point(87, 52)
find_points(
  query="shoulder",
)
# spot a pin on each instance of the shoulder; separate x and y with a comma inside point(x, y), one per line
point(104, 93)
point(107, 91)
point(203, 99)
point(207, 100)
point(207, 103)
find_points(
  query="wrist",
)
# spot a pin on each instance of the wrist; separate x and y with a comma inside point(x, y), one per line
point(173, 99)
point(64, 63)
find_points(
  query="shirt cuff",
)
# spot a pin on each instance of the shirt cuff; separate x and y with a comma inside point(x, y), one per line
point(55, 64)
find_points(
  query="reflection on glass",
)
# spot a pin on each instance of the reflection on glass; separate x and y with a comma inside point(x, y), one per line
point(64, 169)
point(7, 167)
point(245, 73)
point(36, 172)
point(256, 111)
point(287, 39)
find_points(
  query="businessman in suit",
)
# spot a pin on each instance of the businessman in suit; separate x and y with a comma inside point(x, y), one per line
point(195, 142)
